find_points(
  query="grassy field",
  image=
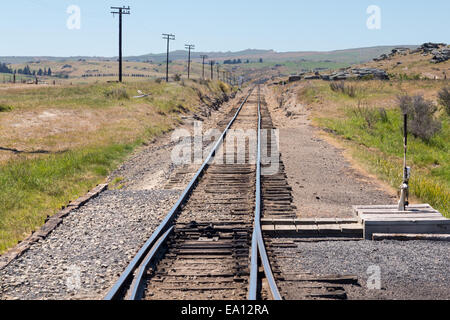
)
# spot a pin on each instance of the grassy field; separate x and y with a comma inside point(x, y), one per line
point(375, 136)
point(153, 66)
point(413, 66)
point(85, 71)
point(59, 142)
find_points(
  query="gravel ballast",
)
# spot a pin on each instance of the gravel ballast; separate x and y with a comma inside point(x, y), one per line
point(83, 257)
point(408, 270)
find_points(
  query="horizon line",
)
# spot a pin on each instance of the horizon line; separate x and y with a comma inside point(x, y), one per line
point(211, 52)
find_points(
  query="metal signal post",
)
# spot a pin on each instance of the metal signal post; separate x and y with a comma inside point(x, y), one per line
point(404, 188)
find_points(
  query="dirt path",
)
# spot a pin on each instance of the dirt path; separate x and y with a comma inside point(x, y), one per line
point(324, 182)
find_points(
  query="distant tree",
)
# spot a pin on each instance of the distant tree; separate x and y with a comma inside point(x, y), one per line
point(5, 69)
point(40, 72)
point(234, 61)
point(27, 70)
point(49, 72)
point(261, 60)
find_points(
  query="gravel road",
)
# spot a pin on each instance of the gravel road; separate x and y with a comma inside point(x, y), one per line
point(324, 183)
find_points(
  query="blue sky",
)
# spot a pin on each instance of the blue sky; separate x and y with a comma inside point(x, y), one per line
point(38, 27)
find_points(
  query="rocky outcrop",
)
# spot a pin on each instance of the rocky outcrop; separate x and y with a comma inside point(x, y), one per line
point(294, 78)
point(357, 73)
point(393, 53)
point(430, 46)
point(441, 55)
point(439, 51)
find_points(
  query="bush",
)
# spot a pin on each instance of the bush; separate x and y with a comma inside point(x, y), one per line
point(444, 99)
point(370, 115)
point(5, 108)
point(117, 93)
point(343, 88)
point(421, 121)
point(177, 77)
point(383, 115)
point(158, 80)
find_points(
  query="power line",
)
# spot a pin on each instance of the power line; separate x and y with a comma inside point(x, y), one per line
point(189, 47)
point(168, 37)
point(121, 11)
point(203, 56)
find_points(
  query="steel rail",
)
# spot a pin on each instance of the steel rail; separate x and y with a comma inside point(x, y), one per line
point(125, 277)
point(137, 287)
point(258, 245)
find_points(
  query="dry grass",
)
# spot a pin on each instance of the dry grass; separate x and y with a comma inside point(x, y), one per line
point(412, 66)
point(372, 121)
point(79, 68)
point(58, 142)
point(60, 119)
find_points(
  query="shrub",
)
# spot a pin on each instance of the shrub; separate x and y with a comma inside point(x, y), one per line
point(223, 87)
point(177, 77)
point(343, 88)
point(117, 93)
point(383, 115)
point(158, 80)
point(5, 108)
point(371, 116)
point(421, 121)
point(444, 99)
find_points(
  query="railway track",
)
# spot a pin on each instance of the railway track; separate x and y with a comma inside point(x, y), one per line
point(210, 245)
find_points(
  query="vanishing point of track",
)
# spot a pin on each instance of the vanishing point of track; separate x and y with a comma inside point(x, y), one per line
point(210, 245)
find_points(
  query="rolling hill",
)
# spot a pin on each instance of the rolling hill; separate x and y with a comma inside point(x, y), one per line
point(349, 56)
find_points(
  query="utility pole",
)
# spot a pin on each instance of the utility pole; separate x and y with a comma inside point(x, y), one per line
point(189, 47)
point(168, 37)
point(212, 62)
point(120, 11)
point(203, 56)
point(218, 71)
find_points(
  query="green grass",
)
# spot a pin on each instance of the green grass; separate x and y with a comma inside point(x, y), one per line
point(32, 189)
point(380, 145)
point(5, 107)
point(8, 77)
point(292, 67)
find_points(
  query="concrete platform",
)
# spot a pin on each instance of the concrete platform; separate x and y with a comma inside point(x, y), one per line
point(417, 219)
point(313, 228)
